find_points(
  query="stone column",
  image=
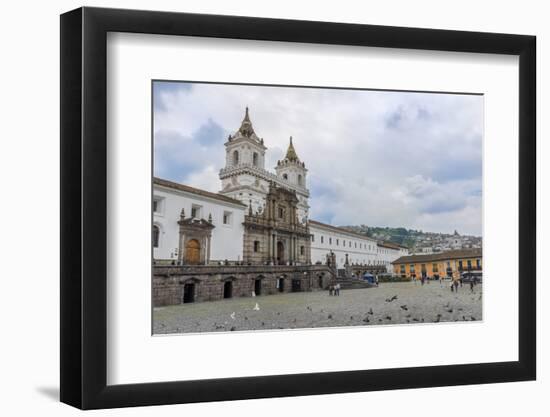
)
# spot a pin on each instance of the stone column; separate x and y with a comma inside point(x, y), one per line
point(275, 247)
point(208, 239)
point(290, 251)
point(269, 246)
point(181, 249)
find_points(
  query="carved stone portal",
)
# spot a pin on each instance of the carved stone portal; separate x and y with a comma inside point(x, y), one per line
point(194, 240)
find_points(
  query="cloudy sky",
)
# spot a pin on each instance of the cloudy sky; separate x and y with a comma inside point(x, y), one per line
point(379, 158)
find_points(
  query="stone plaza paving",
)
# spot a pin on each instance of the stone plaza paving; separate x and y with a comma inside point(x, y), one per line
point(390, 303)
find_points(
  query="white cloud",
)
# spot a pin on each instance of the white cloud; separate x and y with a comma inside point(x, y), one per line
point(378, 158)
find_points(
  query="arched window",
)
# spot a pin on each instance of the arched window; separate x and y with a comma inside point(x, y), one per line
point(255, 159)
point(235, 157)
point(285, 176)
point(299, 179)
point(156, 236)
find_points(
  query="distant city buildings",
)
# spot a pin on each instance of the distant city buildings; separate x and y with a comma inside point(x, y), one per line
point(440, 242)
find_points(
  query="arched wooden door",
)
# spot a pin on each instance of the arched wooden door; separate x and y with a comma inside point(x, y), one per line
point(193, 252)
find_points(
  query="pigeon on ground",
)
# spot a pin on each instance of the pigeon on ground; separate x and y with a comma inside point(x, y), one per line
point(256, 307)
point(366, 320)
point(389, 300)
point(404, 307)
point(232, 315)
point(371, 312)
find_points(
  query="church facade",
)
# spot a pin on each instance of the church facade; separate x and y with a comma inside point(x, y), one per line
point(258, 218)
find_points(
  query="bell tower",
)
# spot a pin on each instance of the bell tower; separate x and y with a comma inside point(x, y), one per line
point(291, 169)
point(292, 172)
point(244, 176)
point(245, 148)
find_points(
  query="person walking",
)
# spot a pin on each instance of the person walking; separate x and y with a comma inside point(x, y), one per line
point(337, 289)
point(456, 285)
point(330, 289)
point(471, 285)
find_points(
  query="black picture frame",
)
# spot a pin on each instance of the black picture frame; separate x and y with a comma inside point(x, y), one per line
point(84, 207)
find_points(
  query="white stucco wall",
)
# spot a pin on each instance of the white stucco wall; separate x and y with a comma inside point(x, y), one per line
point(227, 239)
point(359, 249)
point(387, 255)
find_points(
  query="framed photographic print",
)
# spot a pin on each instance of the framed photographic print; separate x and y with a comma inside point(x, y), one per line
point(257, 208)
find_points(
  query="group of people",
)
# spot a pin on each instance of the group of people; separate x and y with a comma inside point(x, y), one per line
point(455, 283)
point(423, 280)
point(334, 290)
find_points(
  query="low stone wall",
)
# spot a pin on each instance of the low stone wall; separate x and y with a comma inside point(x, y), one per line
point(177, 284)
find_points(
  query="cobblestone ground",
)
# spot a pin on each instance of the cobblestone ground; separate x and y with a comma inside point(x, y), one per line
point(390, 303)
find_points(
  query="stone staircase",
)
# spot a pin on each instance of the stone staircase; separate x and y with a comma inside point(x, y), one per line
point(353, 283)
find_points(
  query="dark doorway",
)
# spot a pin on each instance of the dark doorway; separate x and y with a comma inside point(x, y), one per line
point(296, 285)
point(188, 293)
point(280, 253)
point(320, 282)
point(281, 282)
point(258, 286)
point(227, 289)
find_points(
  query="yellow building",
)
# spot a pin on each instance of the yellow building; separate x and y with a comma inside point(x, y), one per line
point(444, 264)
